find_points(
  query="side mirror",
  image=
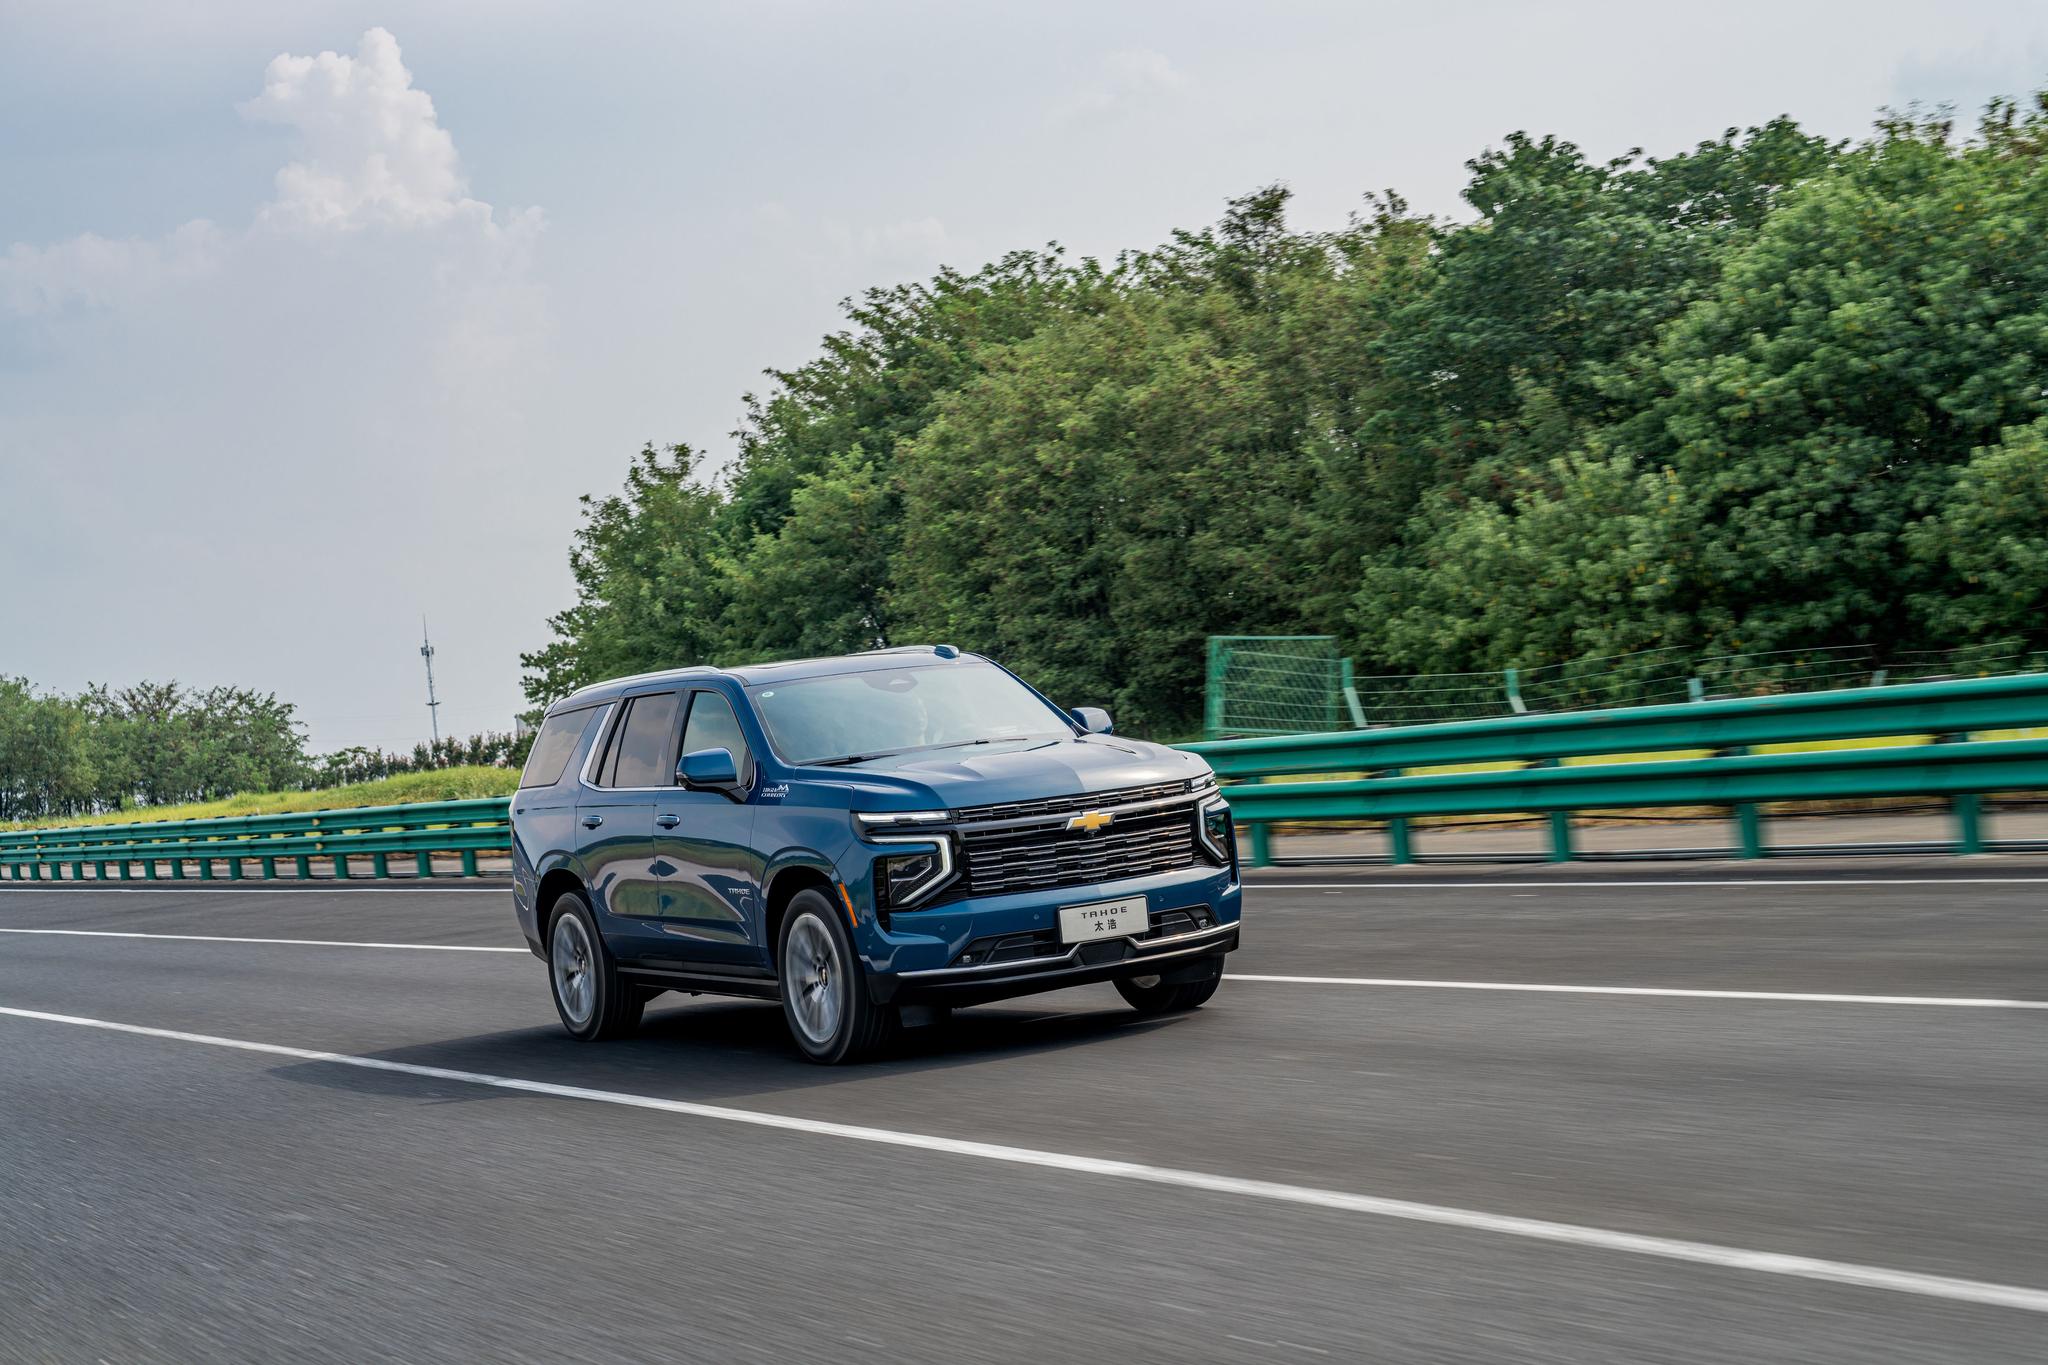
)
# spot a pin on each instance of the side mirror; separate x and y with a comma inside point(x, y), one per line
point(708, 770)
point(1093, 719)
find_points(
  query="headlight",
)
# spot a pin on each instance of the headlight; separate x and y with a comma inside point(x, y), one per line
point(1205, 783)
point(888, 821)
point(1215, 831)
point(902, 879)
point(924, 865)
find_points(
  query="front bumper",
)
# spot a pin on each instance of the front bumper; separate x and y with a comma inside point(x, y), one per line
point(1082, 964)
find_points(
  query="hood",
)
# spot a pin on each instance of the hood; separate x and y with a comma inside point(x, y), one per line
point(1027, 772)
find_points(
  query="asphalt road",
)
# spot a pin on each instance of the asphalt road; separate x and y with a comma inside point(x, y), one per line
point(1381, 1141)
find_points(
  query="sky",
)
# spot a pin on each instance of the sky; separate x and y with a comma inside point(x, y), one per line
point(317, 319)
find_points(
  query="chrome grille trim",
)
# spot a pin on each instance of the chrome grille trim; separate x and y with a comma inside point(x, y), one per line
point(1052, 806)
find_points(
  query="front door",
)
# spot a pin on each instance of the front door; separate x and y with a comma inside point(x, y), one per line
point(615, 815)
point(703, 844)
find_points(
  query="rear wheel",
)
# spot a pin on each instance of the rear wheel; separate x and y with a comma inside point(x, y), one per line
point(1166, 995)
point(592, 1000)
point(824, 1000)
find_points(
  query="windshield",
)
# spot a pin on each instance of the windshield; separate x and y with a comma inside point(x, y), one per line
point(848, 716)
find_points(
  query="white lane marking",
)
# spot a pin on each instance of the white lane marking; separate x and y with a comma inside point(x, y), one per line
point(1602, 1239)
point(296, 942)
point(1801, 997)
point(1661, 886)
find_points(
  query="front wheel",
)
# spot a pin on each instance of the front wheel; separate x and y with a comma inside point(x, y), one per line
point(594, 1002)
point(824, 1000)
point(1163, 995)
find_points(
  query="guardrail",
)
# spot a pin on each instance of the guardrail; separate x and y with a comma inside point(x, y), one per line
point(378, 833)
point(1948, 713)
point(1551, 777)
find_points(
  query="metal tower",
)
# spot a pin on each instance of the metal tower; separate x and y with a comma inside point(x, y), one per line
point(433, 702)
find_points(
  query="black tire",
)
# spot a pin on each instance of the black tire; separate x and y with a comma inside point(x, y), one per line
point(1157, 995)
point(593, 1001)
point(825, 1000)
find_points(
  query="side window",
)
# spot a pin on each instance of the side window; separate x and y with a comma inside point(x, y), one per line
point(712, 725)
point(559, 735)
point(640, 754)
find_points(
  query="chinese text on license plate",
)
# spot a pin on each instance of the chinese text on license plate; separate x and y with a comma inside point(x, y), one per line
point(1103, 919)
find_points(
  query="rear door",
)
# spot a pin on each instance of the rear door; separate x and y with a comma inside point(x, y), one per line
point(703, 842)
point(615, 814)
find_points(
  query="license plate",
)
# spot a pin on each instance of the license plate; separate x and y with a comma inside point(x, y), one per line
point(1103, 919)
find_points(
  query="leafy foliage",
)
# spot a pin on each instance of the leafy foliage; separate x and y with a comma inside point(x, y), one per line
point(1774, 392)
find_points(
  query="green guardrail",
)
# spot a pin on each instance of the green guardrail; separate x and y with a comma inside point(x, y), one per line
point(165, 849)
point(1956, 766)
point(1546, 780)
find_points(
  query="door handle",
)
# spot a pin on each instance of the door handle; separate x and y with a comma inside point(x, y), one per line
point(592, 821)
point(668, 821)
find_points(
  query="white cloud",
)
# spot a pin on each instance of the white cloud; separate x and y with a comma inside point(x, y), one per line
point(281, 397)
point(1121, 81)
point(373, 151)
point(96, 271)
point(371, 156)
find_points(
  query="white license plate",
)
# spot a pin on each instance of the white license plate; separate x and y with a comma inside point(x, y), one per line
point(1104, 919)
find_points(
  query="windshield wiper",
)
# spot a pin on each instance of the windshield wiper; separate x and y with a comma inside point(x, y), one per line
point(845, 760)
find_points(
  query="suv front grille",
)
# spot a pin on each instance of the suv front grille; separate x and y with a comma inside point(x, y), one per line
point(1039, 856)
point(1071, 805)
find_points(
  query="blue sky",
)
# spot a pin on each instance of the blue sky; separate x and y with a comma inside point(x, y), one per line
point(295, 348)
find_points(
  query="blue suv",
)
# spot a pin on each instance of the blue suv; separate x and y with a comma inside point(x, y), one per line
point(860, 838)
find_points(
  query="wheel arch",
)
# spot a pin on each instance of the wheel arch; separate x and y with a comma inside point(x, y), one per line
point(788, 874)
point(553, 884)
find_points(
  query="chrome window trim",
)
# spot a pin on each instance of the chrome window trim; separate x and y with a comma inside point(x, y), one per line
point(604, 729)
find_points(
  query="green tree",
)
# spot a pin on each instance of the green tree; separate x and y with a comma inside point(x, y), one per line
point(1988, 546)
point(652, 584)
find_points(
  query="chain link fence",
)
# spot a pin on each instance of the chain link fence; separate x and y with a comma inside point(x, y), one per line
point(1301, 684)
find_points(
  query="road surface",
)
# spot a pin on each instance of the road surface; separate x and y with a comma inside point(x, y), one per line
point(1711, 1115)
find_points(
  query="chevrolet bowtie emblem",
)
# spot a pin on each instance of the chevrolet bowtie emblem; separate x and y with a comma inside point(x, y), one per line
point(1090, 820)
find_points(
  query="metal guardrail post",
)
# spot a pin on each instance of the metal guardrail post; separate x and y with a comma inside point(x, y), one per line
point(1560, 823)
point(1560, 836)
point(1749, 819)
point(1967, 810)
point(1749, 830)
point(1969, 814)
point(1262, 845)
point(1398, 839)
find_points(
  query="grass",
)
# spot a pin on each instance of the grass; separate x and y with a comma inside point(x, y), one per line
point(445, 784)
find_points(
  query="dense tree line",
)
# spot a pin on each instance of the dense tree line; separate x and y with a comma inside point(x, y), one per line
point(160, 744)
point(148, 745)
point(1773, 392)
point(493, 749)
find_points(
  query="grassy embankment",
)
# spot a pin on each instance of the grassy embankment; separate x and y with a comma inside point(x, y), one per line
point(445, 784)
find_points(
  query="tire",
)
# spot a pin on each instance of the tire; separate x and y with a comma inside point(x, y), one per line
point(1156, 995)
point(825, 999)
point(593, 1001)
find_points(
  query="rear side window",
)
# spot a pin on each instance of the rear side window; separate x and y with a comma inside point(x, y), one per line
point(712, 725)
point(641, 754)
point(553, 746)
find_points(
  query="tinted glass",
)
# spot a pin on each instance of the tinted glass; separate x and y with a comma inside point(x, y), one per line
point(893, 709)
point(552, 747)
point(642, 756)
point(712, 725)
